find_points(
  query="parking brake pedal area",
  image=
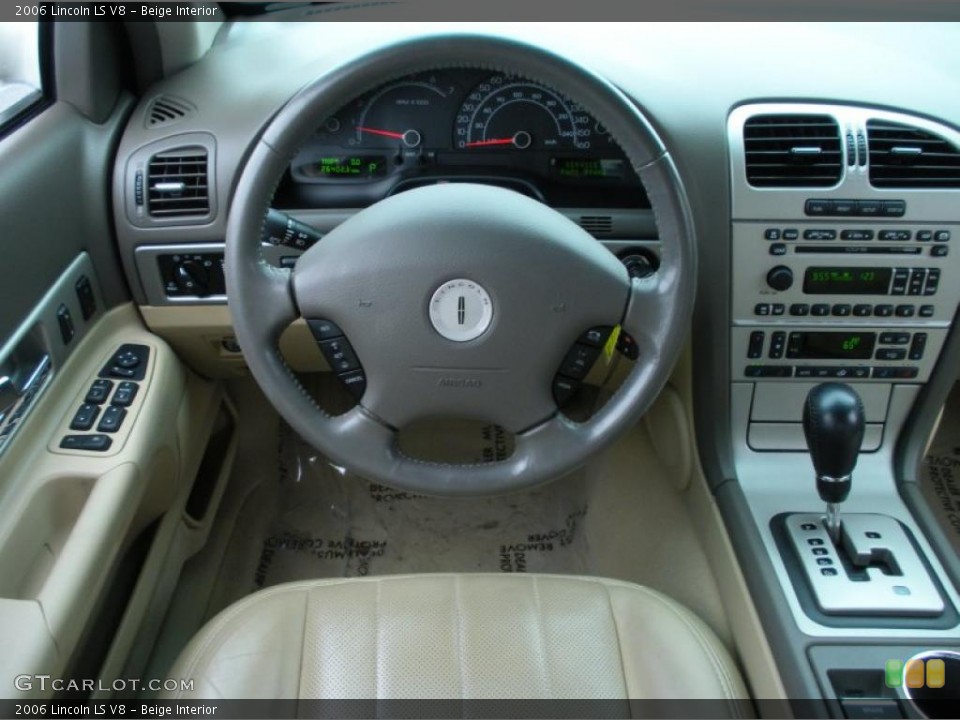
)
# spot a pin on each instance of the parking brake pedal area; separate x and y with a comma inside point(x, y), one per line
point(875, 568)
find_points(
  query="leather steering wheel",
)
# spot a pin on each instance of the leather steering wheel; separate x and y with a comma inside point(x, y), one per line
point(532, 282)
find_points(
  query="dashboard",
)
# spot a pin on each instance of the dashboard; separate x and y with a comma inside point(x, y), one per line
point(461, 125)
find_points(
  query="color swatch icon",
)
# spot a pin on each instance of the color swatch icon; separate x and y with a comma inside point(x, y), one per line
point(917, 673)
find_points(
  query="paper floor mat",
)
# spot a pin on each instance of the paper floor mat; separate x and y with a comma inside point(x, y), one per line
point(330, 523)
point(940, 473)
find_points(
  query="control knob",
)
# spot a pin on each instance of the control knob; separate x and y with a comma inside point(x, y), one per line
point(192, 278)
point(780, 278)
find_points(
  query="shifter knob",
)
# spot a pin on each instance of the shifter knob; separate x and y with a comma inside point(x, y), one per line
point(833, 423)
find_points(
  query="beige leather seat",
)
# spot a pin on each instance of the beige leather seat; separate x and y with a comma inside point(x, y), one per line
point(459, 636)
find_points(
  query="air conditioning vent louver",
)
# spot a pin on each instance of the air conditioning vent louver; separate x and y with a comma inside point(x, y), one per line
point(902, 156)
point(792, 151)
point(177, 182)
point(597, 224)
point(167, 109)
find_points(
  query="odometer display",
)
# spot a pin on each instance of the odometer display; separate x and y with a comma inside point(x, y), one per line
point(846, 281)
point(359, 167)
point(587, 168)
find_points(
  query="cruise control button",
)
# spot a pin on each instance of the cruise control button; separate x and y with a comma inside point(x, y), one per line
point(126, 392)
point(324, 330)
point(355, 382)
point(112, 419)
point(595, 336)
point(85, 416)
point(564, 390)
point(339, 355)
point(99, 392)
point(578, 361)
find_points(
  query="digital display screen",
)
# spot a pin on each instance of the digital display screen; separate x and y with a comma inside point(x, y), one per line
point(831, 345)
point(586, 168)
point(846, 281)
point(362, 167)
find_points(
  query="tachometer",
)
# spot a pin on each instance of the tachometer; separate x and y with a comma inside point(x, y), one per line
point(508, 112)
point(405, 114)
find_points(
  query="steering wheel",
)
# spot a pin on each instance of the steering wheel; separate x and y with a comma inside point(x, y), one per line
point(459, 299)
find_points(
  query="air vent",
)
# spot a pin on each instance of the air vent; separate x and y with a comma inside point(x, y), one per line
point(177, 182)
point(792, 151)
point(167, 109)
point(902, 156)
point(597, 224)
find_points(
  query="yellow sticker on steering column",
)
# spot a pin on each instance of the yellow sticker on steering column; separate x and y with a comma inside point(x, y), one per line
point(611, 346)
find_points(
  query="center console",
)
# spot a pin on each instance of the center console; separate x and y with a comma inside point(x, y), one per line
point(844, 269)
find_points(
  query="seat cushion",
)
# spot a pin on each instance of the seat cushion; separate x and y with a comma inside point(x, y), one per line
point(458, 636)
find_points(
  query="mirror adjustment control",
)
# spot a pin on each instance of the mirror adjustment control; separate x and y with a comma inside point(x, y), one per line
point(112, 419)
point(128, 362)
point(780, 278)
point(85, 416)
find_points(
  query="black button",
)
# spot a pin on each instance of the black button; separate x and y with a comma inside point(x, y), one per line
point(112, 419)
point(820, 551)
point(762, 309)
point(941, 236)
point(860, 235)
point(844, 207)
point(771, 234)
point(778, 309)
point(918, 345)
point(777, 342)
point(902, 373)
point(905, 310)
point(95, 443)
point(791, 234)
point(896, 235)
point(894, 338)
point(863, 310)
point(871, 709)
point(818, 207)
point(799, 309)
point(355, 382)
point(841, 310)
point(88, 304)
point(596, 336)
point(824, 561)
point(883, 310)
point(778, 249)
point(126, 359)
point(933, 282)
point(65, 321)
point(99, 392)
point(129, 362)
point(939, 251)
point(820, 310)
point(755, 348)
point(804, 371)
point(339, 355)
point(116, 371)
point(126, 392)
point(768, 371)
point(893, 208)
point(828, 571)
point(578, 361)
point(900, 278)
point(814, 541)
point(628, 347)
point(890, 354)
point(820, 234)
point(924, 235)
point(324, 330)
point(84, 417)
point(926, 311)
point(868, 208)
point(564, 390)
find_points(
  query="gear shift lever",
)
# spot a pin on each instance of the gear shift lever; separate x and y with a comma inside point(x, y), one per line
point(833, 424)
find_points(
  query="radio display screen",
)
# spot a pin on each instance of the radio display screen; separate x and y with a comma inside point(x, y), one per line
point(846, 281)
point(831, 345)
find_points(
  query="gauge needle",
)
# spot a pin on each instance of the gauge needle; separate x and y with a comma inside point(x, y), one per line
point(498, 141)
point(384, 133)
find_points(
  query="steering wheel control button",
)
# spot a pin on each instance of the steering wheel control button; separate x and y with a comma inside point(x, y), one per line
point(595, 337)
point(578, 361)
point(324, 330)
point(461, 310)
point(628, 347)
point(85, 416)
point(99, 392)
point(126, 392)
point(564, 390)
point(128, 362)
point(355, 382)
point(94, 443)
point(112, 419)
point(340, 355)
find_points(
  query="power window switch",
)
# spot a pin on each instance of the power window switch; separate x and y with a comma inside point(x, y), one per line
point(99, 392)
point(126, 392)
point(94, 443)
point(85, 416)
point(88, 304)
point(65, 321)
point(112, 419)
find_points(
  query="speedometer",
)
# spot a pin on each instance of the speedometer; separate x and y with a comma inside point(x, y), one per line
point(509, 112)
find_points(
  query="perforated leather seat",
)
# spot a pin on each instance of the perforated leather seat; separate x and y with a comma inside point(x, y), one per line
point(458, 636)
